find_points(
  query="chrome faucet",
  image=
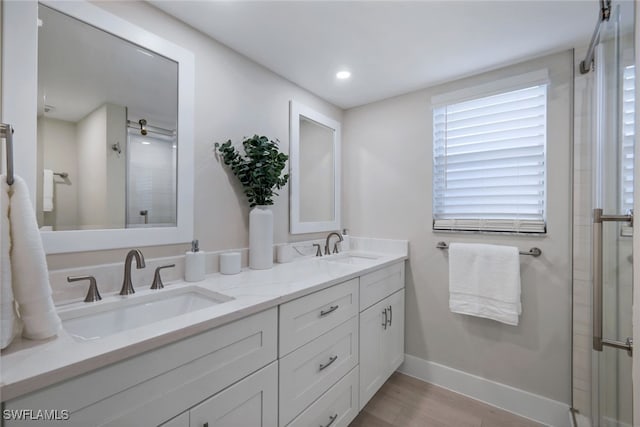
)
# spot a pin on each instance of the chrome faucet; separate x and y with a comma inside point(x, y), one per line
point(127, 286)
point(335, 246)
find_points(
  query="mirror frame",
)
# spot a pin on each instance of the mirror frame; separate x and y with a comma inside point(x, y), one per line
point(297, 226)
point(19, 108)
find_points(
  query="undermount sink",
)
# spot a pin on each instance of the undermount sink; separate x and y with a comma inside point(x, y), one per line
point(98, 320)
point(352, 258)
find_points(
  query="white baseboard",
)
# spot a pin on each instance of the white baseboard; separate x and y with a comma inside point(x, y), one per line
point(519, 402)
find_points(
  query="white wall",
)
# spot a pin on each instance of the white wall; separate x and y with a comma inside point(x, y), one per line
point(59, 153)
point(387, 193)
point(92, 169)
point(101, 172)
point(116, 164)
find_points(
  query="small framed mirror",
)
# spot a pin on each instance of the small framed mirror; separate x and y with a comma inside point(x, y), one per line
point(315, 148)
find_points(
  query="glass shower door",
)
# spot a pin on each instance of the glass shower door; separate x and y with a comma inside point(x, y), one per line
point(151, 180)
point(613, 280)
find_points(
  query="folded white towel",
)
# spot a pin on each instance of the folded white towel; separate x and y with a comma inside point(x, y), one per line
point(30, 274)
point(484, 281)
point(47, 191)
point(10, 325)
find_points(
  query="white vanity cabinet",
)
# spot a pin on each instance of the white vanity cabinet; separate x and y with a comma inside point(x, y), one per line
point(154, 387)
point(335, 352)
point(312, 361)
point(381, 329)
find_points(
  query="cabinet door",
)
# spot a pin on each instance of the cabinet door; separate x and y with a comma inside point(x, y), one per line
point(373, 326)
point(252, 402)
point(393, 341)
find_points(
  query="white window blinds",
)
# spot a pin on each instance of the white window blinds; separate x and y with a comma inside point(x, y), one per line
point(628, 137)
point(489, 162)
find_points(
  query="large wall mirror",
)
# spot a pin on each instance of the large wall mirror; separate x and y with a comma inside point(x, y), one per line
point(113, 115)
point(315, 171)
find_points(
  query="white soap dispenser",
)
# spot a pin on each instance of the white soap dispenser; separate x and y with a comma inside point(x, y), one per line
point(194, 264)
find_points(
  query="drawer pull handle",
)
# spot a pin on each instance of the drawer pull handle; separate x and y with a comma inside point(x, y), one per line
point(385, 320)
point(329, 311)
point(329, 363)
point(332, 419)
point(390, 315)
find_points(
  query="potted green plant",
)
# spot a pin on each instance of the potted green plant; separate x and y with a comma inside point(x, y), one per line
point(259, 170)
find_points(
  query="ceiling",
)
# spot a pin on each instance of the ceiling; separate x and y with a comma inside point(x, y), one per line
point(390, 47)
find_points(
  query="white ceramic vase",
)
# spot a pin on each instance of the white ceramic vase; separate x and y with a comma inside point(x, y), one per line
point(261, 238)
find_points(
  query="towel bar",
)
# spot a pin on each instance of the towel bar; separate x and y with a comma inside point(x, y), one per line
point(6, 132)
point(535, 252)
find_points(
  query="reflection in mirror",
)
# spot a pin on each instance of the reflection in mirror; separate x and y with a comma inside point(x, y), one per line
point(315, 171)
point(316, 167)
point(107, 126)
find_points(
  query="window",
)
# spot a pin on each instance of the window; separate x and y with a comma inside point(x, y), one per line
point(489, 160)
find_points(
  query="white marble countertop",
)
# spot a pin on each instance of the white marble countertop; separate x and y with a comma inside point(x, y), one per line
point(27, 366)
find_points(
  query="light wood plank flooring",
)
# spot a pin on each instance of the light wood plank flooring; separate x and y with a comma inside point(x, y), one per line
point(404, 401)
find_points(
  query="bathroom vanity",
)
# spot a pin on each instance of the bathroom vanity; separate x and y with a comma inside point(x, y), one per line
point(306, 343)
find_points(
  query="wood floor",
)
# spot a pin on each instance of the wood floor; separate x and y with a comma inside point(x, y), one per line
point(404, 401)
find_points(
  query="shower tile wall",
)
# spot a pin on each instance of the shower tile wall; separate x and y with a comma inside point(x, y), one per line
point(582, 203)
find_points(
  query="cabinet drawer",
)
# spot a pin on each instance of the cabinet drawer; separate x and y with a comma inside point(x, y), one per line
point(155, 386)
point(338, 406)
point(381, 283)
point(253, 402)
point(311, 370)
point(306, 318)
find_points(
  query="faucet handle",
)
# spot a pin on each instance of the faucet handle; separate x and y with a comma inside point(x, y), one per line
point(318, 251)
point(92, 294)
point(157, 280)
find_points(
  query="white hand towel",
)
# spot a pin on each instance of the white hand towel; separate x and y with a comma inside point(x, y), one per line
point(484, 281)
point(31, 286)
point(9, 322)
point(47, 191)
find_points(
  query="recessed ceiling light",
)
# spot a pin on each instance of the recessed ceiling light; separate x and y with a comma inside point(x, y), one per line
point(343, 75)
